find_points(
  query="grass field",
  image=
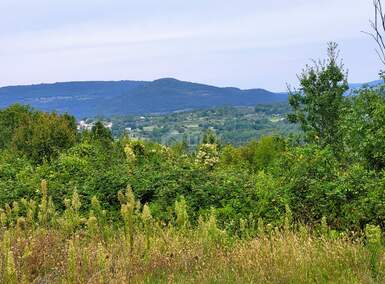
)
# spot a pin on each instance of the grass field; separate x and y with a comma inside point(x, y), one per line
point(40, 245)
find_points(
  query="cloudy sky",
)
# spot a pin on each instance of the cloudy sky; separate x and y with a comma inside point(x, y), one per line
point(242, 43)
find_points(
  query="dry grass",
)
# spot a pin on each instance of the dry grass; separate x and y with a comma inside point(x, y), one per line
point(43, 246)
point(44, 256)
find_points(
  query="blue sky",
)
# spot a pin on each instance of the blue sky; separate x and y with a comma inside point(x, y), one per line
point(242, 43)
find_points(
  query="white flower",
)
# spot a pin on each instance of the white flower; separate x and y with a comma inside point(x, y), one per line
point(207, 155)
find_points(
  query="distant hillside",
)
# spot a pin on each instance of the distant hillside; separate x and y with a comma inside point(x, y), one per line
point(369, 84)
point(106, 98)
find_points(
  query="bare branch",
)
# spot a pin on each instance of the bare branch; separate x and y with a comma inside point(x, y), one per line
point(378, 29)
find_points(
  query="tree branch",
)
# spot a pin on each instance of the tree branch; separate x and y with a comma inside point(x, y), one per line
point(378, 29)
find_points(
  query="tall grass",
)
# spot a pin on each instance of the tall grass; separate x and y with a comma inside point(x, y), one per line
point(41, 245)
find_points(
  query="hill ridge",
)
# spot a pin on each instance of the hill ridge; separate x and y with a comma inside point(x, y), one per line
point(124, 97)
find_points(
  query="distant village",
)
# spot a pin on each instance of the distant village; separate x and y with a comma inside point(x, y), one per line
point(88, 124)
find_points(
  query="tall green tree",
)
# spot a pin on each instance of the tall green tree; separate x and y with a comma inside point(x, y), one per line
point(10, 119)
point(210, 137)
point(45, 136)
point(101, 134)
point(317, 105)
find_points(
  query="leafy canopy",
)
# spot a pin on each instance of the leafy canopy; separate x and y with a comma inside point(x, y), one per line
point(318, 103)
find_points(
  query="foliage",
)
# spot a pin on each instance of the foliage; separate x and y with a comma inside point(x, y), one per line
point(38, 135)
point(318, 104)
point(10, 119)
point(364, 127)
point(258, 180)
point(100, 133)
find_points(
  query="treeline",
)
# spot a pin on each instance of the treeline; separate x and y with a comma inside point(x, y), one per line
point(333, 172)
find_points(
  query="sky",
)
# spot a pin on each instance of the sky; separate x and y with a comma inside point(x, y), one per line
point(240, 43)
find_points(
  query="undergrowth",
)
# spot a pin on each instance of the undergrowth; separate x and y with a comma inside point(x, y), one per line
point(41, 245)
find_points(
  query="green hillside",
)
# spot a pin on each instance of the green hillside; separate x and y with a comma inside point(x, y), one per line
point(233, 125)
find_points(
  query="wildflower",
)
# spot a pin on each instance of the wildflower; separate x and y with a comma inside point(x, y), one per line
point(147, 222)
point(129, 153)
point(181, 213)
point(10, 269)
point(127, 211)
point(21, 223)
point(75, 201)
point(207, 155)
point(71, 260)
point(92, 225)
point(101, 257)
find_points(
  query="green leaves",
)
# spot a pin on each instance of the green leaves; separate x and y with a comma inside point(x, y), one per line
point(44, 136)
point(364, 128)
point(317, 105)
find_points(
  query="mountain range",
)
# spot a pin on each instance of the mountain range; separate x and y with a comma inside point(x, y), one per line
point(107, 98)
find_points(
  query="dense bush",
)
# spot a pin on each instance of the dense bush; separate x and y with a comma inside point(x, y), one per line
point(364, 127)
point(259, 180)
point(39, 136)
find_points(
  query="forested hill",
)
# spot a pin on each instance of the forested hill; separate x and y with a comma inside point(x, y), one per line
point(89, 99)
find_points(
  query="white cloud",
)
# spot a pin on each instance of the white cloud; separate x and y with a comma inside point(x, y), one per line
point(45, 40)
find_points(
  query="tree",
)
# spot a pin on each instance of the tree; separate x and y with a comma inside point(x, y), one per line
point(318, 104)
point(101, 133)
point(44, 136)
point(210, 137)
point(10, 119)
point(364, 127)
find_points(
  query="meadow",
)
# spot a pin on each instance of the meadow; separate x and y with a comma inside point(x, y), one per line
point(39, 245)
